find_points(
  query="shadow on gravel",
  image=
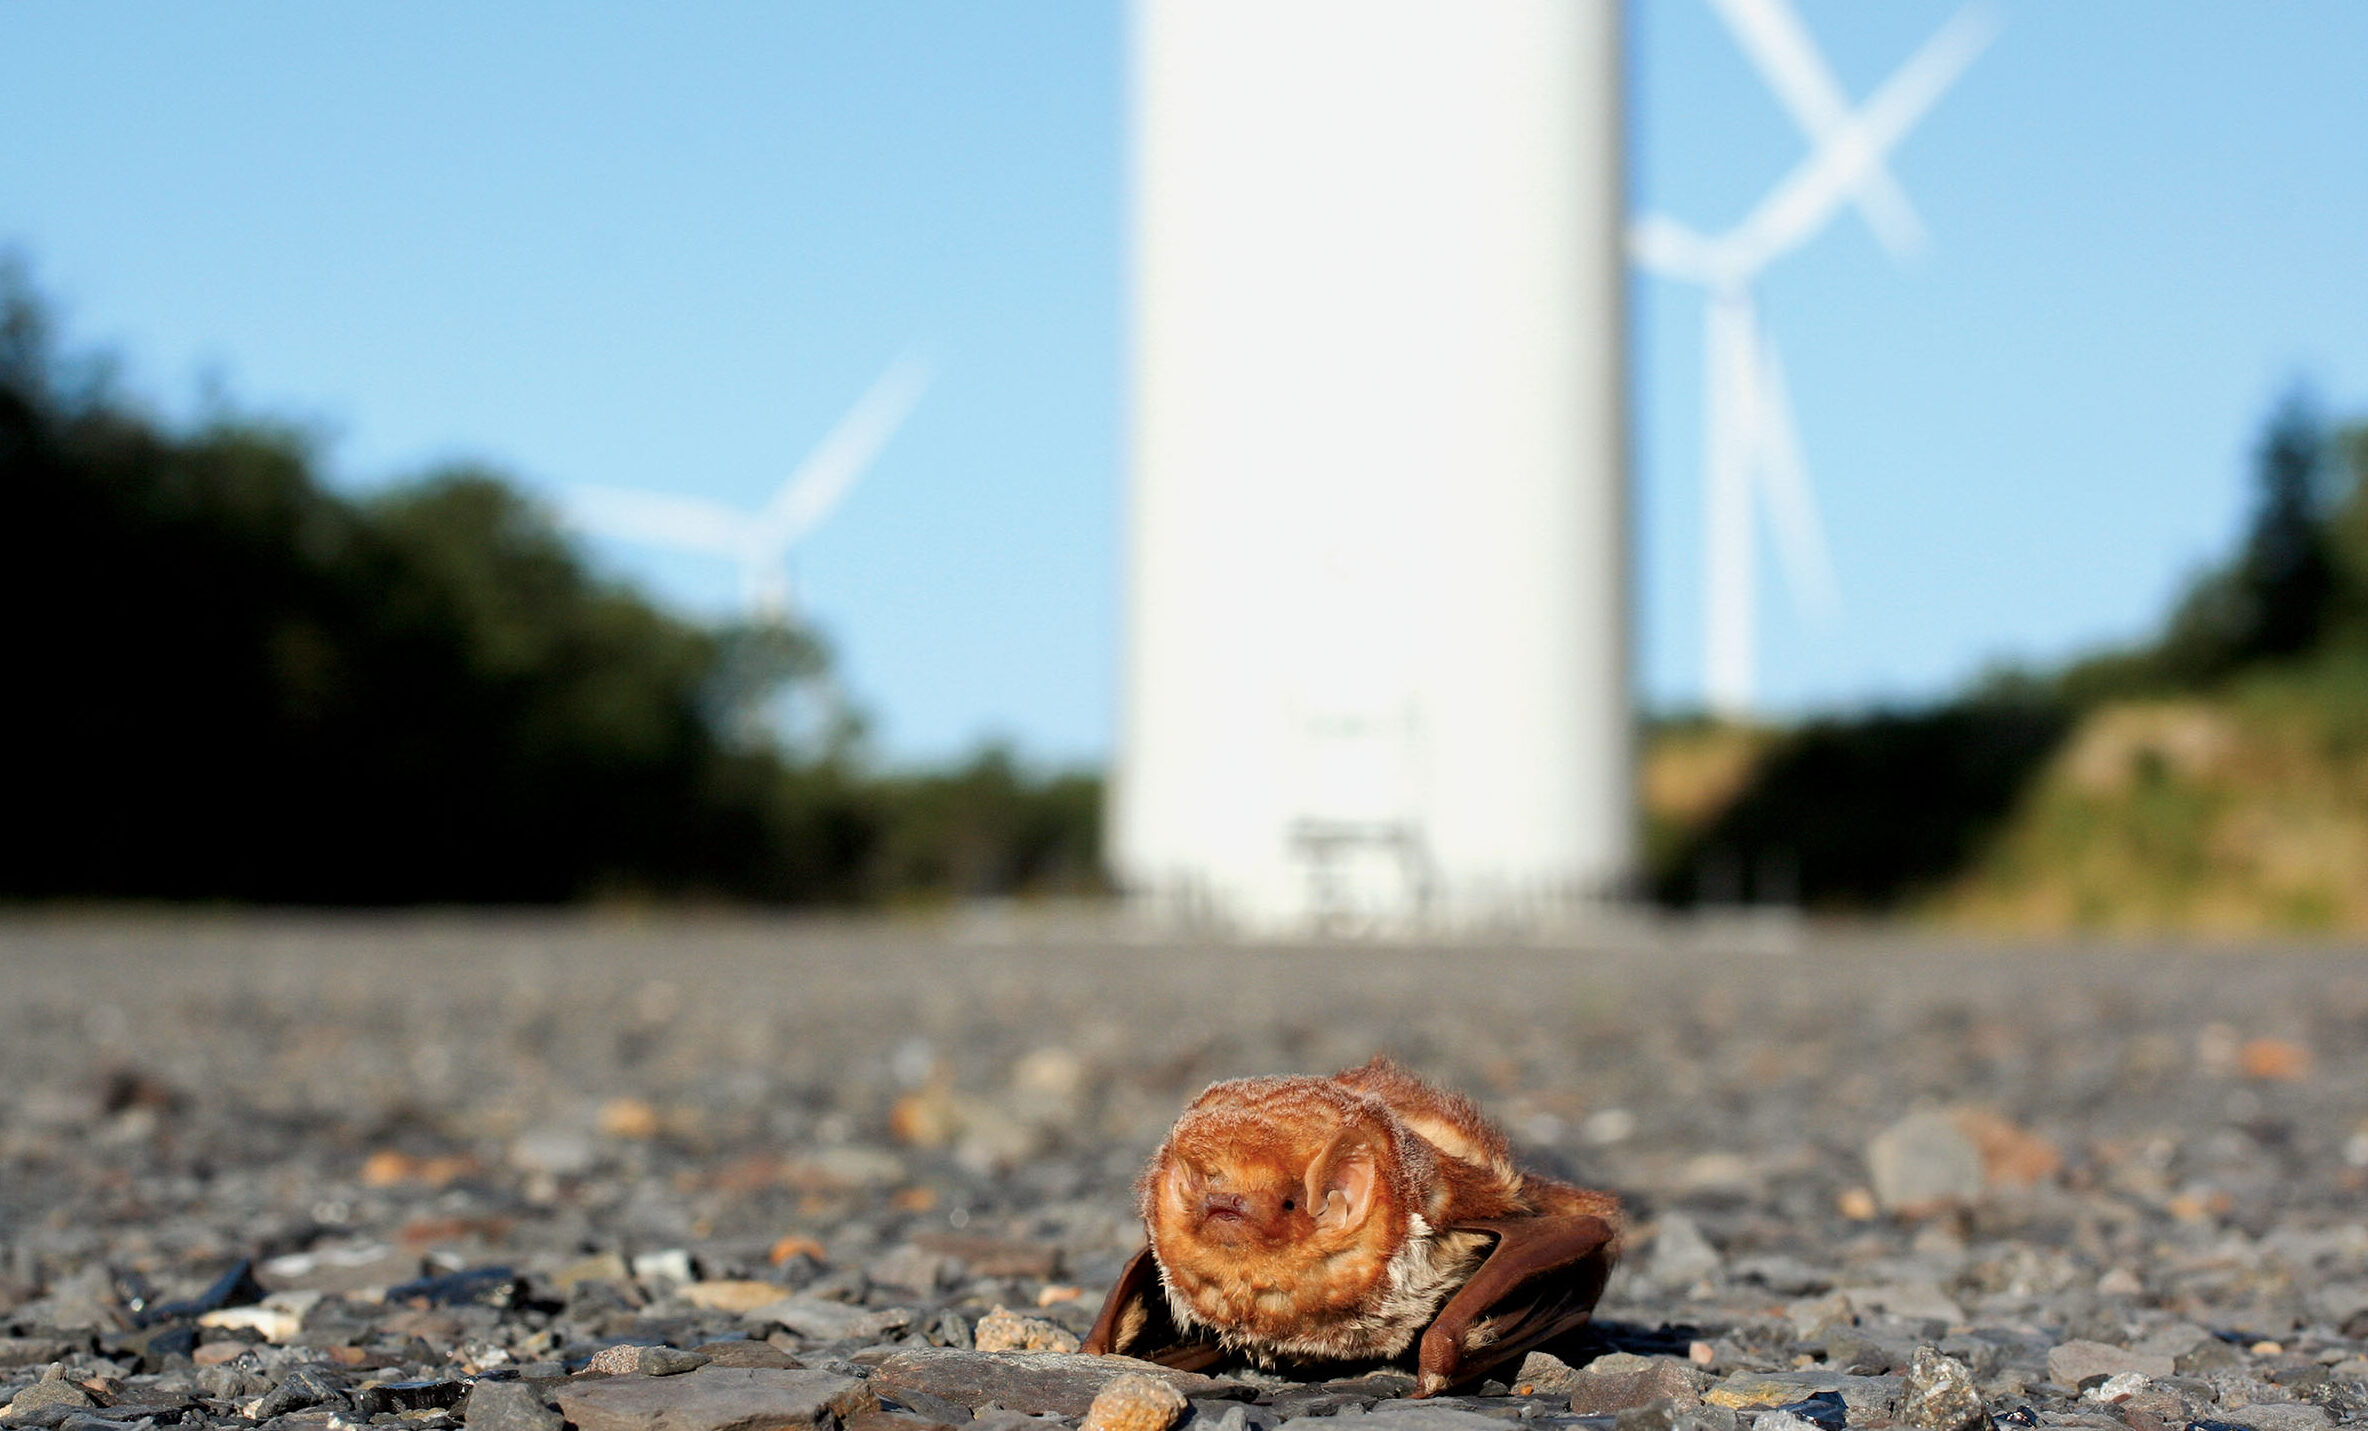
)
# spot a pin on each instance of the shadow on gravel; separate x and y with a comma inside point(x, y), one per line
point(1602, 1338)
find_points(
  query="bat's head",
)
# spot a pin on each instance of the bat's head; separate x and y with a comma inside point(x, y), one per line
point(1277, 1200)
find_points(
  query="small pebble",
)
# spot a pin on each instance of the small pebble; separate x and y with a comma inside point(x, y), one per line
point(621, 1360)
point(1939, 1393)
point(53, 1389)
point(1005, 1330)
point(667, 1361)
point(1135, 1403)
point(2116, 1388)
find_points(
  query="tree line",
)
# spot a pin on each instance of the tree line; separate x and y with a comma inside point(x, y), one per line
point(231, 682)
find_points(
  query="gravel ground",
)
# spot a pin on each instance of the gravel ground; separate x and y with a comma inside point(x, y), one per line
point(722, 1175)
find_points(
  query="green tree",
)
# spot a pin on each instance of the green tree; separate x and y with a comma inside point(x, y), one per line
point(233, 683)
point(2274, 601)
point(989, 827)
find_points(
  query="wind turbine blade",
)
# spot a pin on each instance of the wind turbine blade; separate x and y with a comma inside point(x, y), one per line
point(1802, 204)
point(1669, 248)
point(832, 468)
point(1792, 507)
point(657, 519)
point(1778, 44)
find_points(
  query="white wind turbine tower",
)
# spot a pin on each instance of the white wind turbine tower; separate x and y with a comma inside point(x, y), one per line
point(759, 542)
point(1750, 447)
point(1376, 630)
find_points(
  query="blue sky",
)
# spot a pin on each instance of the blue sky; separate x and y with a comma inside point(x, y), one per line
point(666, 247)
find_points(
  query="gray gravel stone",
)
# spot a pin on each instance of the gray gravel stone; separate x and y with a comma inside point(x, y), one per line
point(1864, 1395)
point(1298, 1405)
point(51, 1390)
point(934, 1408)
point(2278, 1416)
point(1939, 1394)
point(951, 1329)
point(1784, 1275)
point(305, 1386)
point(1847, 1350)
point(509, 1406)
point(1923, 1162)
point(418, 1394)
point(1232, 1416)
point(1912, 1301)
point(746, 1353)
point(886, 1419)
point(1001, 1420)
point(1039, 1383)
point(1543, 1374)
point(623, 1359)
point(2073, 1362)
point(2208, 1356)
point(916, 1270)
point(1668, 1416)
point(1680, 1255)
point(2174, 1341)
point(1423, 1416)
point(715, 1398)
point(1599, 1391)
point(823, 1320)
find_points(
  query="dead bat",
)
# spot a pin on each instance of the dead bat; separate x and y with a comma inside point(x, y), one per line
point(1301, 1219)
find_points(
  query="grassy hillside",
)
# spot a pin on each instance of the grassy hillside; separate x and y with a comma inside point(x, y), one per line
point(2242, 812)
point(2212, 780)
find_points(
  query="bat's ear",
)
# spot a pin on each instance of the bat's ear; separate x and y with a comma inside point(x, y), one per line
point(1180, 1181)
point(1343, 1181)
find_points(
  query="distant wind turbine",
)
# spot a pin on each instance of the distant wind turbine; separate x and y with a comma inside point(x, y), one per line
point(759, 542)
point(1750, 444)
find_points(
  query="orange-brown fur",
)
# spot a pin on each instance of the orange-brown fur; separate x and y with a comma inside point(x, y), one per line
point(1312, 1218)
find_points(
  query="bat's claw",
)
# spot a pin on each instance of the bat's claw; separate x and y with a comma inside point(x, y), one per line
point(1430, 1383)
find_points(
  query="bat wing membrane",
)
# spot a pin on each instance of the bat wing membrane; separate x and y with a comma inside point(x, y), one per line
point(1540, 1282)
point(1135, 1322)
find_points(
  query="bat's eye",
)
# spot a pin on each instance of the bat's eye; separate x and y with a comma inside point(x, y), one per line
point(1288, 1204)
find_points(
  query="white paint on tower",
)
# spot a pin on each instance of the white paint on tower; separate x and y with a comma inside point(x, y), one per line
point(1377, 669)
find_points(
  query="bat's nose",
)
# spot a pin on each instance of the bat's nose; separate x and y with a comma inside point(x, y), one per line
point(1231, 1207)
